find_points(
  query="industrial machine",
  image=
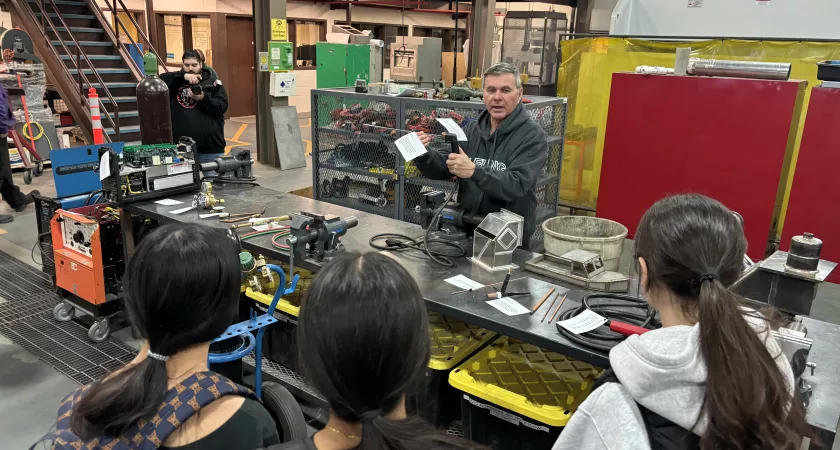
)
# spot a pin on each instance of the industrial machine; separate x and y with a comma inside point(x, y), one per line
point(144, 172)
point(788, 281)
point(416, 60)
point(317, 237)
point(17, 46)
point(530, 42)
point(89, 263)
point(232, 167)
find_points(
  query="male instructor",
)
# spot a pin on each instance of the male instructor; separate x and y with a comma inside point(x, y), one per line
point(504, 154)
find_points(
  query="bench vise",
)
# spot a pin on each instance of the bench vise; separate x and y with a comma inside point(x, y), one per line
point(453, 221)
point(321, 235)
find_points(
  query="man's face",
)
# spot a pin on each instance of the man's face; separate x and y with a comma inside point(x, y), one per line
point(501, 95)
point(191, 65)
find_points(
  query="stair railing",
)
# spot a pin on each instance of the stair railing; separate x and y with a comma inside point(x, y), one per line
point(118, 6)
point(77, 62)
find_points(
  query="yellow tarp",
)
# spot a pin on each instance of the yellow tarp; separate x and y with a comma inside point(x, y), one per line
point(586, 72)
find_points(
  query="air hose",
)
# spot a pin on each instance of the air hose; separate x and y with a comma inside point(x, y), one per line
point(626, 315)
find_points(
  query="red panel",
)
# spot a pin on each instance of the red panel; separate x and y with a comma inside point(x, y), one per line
point(722, 137)
point(815, 191)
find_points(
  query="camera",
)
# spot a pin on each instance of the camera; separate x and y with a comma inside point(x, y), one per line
point(208, 85)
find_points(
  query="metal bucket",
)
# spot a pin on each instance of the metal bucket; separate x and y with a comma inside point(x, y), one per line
point(605, 237)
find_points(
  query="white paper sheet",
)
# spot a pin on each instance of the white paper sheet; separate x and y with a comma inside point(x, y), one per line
point(453, 127)
point(268, 226)
point(183, 210)
point(583, 322)
point(105, 166)
point(509, 306)
point(207, 216)
point(168, 202)
point(464, 282)
point(410, 146)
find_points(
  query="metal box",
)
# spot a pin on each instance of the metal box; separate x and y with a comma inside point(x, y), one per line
point(340, 65)
point(495, 239)
point(416, 60)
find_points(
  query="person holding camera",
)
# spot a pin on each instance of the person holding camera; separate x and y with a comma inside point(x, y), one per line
point(198, 102)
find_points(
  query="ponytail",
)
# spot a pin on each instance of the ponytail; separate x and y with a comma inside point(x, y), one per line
point(748, 403)
point(113, 404)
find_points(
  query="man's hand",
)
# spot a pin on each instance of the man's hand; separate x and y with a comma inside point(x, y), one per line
point(192, 78)
point(424, 138)
point(197, 97)
point(460, 165)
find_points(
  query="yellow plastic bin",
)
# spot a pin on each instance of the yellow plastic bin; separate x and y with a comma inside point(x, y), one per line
point(517, 396)
point(279, 340)
point(453, 342)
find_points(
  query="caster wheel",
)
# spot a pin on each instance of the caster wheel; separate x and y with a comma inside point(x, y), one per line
point(283, 407)
point(27, 176)
point(38, 170)
point(99, 331)
point(63, 312)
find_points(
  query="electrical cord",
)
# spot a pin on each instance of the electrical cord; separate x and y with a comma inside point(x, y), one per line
point(630, 309)
point(91, 195)
point(41, 250)
point(248, 181)
point(394, 241)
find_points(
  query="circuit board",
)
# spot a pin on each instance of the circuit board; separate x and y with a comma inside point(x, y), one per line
point(149, 155)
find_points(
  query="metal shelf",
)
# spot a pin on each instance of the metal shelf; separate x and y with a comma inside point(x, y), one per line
point(355, 203)
point(355, 134)
point(426, 182)
point(358, 171)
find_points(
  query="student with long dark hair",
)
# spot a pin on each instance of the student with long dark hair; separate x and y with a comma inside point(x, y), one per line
point(363, 343)
point(712, 377)
point(182, 291)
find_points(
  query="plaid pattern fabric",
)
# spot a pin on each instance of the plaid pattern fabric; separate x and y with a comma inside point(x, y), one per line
point(179, 404)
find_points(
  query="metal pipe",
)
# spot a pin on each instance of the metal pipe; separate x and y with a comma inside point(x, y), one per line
point(741, 69)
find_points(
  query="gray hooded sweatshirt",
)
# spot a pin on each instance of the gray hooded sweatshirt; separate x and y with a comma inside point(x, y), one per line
point(507, 165)
point(662, 370)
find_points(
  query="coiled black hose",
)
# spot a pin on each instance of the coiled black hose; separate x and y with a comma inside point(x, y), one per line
point(630, 309)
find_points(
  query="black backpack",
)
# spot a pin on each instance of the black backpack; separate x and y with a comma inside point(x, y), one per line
point(662, 433)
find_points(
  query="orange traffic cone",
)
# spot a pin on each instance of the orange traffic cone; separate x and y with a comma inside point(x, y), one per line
point(95, 118)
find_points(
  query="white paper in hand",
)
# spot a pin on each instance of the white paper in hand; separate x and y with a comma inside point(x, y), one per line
point(583, 322)
point(410, 146)
point(453, 127)
point(464, 282)
point(105, 166)
point(509, 306)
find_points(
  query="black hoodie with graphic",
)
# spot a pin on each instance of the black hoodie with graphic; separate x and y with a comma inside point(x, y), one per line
point(507, 165)
point(204, 121)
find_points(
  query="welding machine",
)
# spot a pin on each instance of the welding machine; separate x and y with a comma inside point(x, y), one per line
point(89, 263)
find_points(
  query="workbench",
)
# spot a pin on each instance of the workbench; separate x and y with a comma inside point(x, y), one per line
point(470, 307)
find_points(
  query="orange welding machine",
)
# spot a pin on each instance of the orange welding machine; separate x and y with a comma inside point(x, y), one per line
point(89, 263)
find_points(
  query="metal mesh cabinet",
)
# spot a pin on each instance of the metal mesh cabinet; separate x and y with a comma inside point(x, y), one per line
point(355, 163)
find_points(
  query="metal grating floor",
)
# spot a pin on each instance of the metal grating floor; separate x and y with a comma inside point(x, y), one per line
point(284, 375)
point(456, 428)
point(26, 318)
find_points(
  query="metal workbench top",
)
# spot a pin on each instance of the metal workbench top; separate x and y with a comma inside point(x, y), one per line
point(823, 413)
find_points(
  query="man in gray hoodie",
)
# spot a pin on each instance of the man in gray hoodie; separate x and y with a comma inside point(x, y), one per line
point(504, 154)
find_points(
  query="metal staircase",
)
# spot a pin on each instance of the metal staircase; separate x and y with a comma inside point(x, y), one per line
point(81, 49)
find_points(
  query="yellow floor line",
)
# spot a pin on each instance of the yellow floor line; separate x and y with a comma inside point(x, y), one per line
point(308, 146)
point(2, 231)
point(236, 137)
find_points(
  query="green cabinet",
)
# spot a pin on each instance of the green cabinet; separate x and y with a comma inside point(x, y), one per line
point(340, 65)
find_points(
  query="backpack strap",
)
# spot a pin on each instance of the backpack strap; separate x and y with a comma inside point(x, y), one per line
point(179, 404)
point(662, 433)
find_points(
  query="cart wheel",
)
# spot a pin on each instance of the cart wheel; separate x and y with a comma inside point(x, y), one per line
point(285, 410)
point(39, 169)
point(27, 176)
point(63, 312)
point(99, 331)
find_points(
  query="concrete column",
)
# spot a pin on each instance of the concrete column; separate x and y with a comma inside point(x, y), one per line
point(264, 11)
point(483, 26)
